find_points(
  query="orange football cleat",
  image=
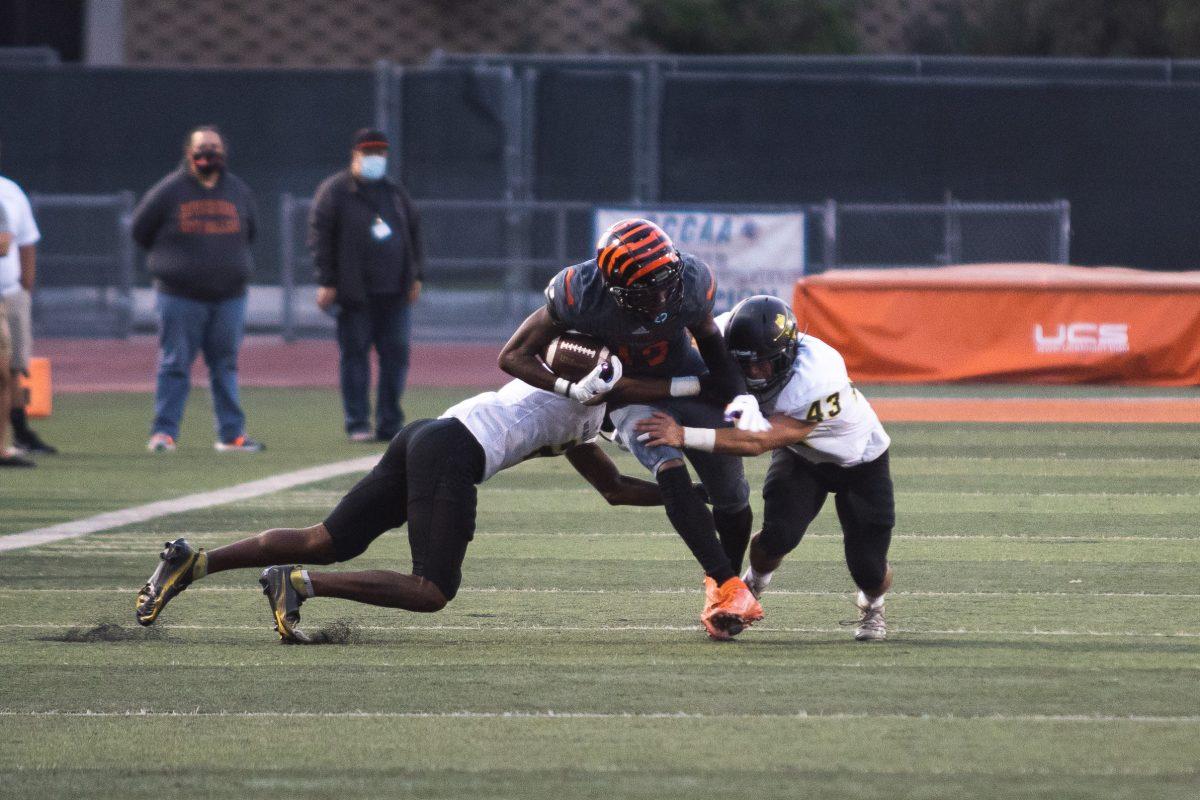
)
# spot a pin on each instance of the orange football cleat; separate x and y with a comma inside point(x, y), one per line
point(728, 608)
point(710, 608)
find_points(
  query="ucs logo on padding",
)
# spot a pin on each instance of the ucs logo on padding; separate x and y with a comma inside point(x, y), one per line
point(1082, 337)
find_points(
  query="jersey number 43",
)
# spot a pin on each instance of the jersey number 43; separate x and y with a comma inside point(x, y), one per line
point(824, 409)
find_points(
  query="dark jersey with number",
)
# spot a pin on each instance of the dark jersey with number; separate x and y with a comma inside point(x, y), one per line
point(578, 298)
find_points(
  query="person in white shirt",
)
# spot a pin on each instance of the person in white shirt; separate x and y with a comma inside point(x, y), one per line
point(18, 267)
point(824, 439)
point(9, 456)
point(427, 478)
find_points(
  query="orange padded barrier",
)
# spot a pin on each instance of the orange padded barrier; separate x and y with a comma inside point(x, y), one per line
point(37, 388)
point(1020, 323)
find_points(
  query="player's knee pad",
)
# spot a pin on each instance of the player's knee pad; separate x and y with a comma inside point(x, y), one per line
point(868, 565)
point(777, 539)
point(730, 498)
point(726, 484)
point(433, 600)
point(348, 549)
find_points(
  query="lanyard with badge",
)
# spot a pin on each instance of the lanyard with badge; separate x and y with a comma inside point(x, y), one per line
point(380, 230)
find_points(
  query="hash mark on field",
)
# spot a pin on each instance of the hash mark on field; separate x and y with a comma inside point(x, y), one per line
point(835, 716)
point(646, 628)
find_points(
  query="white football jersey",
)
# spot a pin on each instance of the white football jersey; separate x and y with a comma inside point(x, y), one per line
point(520, 422)
point(848, 431)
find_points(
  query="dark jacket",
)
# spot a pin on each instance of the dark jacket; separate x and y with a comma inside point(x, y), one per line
point(340, 240)
point(198, 238)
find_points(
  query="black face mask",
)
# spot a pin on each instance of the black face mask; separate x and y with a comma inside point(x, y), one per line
point(208, 162)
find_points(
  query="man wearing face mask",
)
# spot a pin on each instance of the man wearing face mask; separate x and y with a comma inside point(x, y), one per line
point(197, 224)
point(365, 239)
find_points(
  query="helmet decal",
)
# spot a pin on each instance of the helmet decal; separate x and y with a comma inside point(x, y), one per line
point(762, 330)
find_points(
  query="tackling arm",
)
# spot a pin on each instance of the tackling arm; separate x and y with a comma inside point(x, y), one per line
point(619, 490)
point(662, 429)
point(724, 378)
point(521, 356)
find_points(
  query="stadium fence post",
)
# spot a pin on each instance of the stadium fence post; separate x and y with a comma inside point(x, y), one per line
point(287, 266)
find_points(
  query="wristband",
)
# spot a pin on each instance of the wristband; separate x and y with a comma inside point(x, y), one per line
point(562, 386)
point(685, 387)
point(700, 439)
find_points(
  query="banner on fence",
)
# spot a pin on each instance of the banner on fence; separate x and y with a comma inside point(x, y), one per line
point(750, 253)
point(1011, 323)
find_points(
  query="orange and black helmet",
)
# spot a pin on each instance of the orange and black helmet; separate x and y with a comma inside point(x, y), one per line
point(641, 268)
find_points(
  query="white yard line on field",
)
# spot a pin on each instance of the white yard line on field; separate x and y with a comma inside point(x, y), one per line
point(191, 502)
point(104, 549)
point(254, 589)
point(799, 715)
point(643, 628)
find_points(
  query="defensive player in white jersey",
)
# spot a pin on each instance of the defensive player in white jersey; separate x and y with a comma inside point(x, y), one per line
point(824, 439)
point(427, 478)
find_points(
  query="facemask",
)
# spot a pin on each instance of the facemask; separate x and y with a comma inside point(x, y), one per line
point(373, 167)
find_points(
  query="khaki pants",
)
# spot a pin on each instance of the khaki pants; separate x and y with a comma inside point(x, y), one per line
point(5, 389)
point(20, 331)
point(5, 335)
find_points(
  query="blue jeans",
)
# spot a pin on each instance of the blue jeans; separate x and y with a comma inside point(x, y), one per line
point(214, 328)
point(721, 474)
point(384, 321)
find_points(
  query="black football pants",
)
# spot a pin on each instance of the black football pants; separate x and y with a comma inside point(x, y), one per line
point(794, 492)
point(428, 479)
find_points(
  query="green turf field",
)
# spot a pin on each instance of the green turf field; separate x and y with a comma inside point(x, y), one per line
point(1044, 638)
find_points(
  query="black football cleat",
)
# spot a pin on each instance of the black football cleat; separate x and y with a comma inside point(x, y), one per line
point(28, 440)
point(172, 576)
point(285, 603)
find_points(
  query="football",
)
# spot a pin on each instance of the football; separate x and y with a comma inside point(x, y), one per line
point(574, 355)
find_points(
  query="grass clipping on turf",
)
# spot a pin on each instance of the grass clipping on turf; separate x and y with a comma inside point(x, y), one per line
point(337, 632)
point(105, 632)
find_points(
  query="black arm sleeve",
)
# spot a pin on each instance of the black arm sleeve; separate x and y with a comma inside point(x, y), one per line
point(725, 380)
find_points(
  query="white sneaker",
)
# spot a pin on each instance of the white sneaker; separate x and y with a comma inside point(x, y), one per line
point(242, 444)
point(161, 443)
point(756, 583)
point(362, 436)
point(870, 626)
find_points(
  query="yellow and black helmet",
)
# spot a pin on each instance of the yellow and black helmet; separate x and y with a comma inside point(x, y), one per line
point(763, 329)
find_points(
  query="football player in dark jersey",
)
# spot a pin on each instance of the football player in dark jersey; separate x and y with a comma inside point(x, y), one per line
point(652, 306)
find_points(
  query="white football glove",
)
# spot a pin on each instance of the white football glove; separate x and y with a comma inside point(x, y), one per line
point(592, 388)
point(745, 415)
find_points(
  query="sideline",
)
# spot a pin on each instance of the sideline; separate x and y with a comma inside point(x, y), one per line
point(191, 502)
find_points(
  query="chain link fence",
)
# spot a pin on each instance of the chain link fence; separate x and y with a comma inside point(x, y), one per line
point(488, 261)
point(85, 265)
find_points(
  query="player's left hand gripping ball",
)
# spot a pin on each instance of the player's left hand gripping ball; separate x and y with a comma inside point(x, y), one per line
point(597, 383)
point(744, 413)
